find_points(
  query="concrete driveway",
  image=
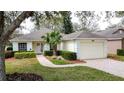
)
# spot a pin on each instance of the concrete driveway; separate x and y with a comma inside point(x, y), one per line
point(108, 65)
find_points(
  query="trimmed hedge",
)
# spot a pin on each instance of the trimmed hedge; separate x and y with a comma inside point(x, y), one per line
point(50, 53)
point(120, 52)
point(9, 54)
point(65, 54)
point(20, 55)
point(69, 55)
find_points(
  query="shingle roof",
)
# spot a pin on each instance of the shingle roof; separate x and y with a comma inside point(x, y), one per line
point(82, 35)
point(33, 36)
point(36, 36)
point(111, 33)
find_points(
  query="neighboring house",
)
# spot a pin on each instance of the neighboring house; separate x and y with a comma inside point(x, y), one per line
point(87, 45)
point(115, 38)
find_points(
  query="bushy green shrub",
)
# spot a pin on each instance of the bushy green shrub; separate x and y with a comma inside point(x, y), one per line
point(69, 55)
point(120, 52)
point(50, 53)
point(9, 48)
point(9, 54)
point(65, 54)
point(20, 55)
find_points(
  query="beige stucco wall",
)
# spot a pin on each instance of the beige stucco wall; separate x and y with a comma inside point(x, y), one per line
point(113, 46)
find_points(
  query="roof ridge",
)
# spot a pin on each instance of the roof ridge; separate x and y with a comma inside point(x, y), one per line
point(79, 34)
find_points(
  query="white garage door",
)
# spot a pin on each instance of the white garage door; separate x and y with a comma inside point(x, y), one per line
point(91, 50)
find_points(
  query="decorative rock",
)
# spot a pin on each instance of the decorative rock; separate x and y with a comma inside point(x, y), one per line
point(60, 58)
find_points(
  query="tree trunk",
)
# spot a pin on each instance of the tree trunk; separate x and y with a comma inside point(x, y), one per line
point(2, 62)
point(2, 48)
point(55, 50)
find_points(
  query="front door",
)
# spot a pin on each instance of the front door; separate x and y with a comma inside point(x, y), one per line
point(38, 48)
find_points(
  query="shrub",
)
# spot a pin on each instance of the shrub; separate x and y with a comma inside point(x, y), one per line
point(69, 55)
point(20, 55)
point(65, 54)
point(120, 52)
point(9, 54)
point(9, 48)
point(50, 53)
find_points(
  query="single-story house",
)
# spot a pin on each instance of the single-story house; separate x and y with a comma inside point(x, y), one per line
point(87, 45)
point(115, 37)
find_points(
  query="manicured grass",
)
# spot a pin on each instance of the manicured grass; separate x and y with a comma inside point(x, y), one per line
point(71, 73)
point(59, 62)
point(116, 57)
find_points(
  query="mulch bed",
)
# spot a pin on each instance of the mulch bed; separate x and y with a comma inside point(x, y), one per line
point(10, 59)
point(23, 77)
point(76, 61)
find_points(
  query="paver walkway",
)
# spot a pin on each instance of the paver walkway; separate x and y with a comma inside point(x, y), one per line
point(107, 65)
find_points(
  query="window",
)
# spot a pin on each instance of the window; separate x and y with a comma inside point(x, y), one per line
point(22, 46)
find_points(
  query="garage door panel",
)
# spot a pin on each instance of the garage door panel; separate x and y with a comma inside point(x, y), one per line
point(91, 50)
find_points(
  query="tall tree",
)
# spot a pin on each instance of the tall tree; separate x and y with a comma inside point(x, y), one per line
point(9, 22)
point(5, 34)
point(67, 24)
point(48, 19)
point(88, 20)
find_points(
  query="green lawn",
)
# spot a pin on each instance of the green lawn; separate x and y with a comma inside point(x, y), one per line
point(59, 62)
point(71, 73)
point(116, 57)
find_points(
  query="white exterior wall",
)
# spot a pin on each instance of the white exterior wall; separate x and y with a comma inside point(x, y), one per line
point(46, 47)
point(69, 45)
point(29, 46)
point(15, 46)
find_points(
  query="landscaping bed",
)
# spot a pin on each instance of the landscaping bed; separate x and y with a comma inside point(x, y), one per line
point(10, 59)
point(116, 57)
point(62, 61)
point(23, 77)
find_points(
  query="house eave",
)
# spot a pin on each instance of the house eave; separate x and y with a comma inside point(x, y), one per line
point(24, 40)
point(85, 39)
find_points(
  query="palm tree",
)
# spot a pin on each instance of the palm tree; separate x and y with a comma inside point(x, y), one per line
point(53, 38)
